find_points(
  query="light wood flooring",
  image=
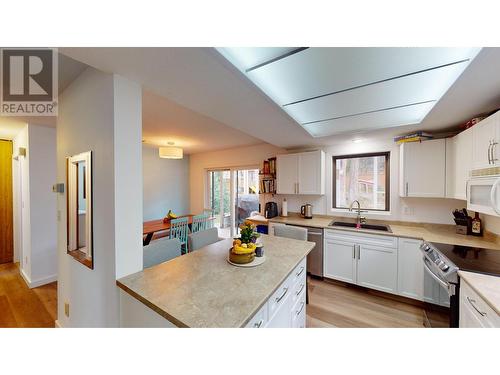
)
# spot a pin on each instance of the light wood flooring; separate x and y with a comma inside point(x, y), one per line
point(340, 305)
point(331, 304)
point(21, 306)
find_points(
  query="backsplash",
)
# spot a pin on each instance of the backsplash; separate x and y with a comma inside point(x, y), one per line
point(402, 209)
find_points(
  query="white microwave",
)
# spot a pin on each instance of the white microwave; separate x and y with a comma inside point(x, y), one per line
point(483, 194)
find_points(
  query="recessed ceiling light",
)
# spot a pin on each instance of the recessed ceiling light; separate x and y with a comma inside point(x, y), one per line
point(357, 140)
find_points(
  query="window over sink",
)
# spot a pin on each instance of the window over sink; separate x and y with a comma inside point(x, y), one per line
point(362, 177)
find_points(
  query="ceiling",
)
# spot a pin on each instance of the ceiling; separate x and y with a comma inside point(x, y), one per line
point(339, 90)
point(9, 127)
point(202, 80)
point(166, 121)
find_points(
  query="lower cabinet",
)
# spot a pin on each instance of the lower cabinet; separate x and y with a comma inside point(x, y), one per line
point(286, 308)
point(339, 260)
point(361, 259)
point(474, 311)
point(378, 268)
point(386, 263)
point(410, 269)
point(412, 281)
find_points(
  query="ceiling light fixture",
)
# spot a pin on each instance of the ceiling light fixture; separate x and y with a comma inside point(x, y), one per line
point(357, 140)
point(170, 152)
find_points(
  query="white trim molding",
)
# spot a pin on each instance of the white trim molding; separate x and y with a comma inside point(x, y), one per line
point(38, 282)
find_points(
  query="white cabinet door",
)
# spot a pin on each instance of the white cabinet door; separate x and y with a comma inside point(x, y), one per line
point(410, 269)
point(423, 169)
point(287, 173)
point(311, 166)
point(462, 163)
point(482, 135)
point(378, 268)
point(340, 260)
point(282, 316)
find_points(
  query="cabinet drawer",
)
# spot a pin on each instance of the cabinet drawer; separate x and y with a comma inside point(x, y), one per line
point(362, 238)
point(259, 320)
point(279, 297)
point(299, 273)
point(298, 312)
point(470, 301)
point(298, 289)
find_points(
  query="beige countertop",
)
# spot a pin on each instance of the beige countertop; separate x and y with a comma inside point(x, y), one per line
point(488, 287)
point(429, 232)
point(201, 289)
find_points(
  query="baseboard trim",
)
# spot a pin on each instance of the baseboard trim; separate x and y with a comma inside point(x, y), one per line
point(34, 284)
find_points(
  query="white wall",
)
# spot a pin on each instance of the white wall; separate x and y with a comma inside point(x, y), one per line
point(235, 157)
point(35, 225)
point(43, 213)
point(402, 209)
point(166, 183)
point(101, 112)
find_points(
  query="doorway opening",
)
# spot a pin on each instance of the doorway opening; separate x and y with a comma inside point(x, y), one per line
point(232, 196)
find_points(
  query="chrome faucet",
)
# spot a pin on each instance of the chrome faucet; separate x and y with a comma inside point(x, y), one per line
point(359, 219)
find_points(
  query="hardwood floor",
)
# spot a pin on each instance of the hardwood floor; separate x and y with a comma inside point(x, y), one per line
point(21, 306)
point(334, 304)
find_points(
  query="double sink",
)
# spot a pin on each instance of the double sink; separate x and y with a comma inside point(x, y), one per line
point(345, 224)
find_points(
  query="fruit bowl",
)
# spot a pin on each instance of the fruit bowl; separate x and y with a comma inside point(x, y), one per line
point(241, 258)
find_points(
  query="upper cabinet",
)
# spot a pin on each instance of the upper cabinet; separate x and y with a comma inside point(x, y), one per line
point(485, 139)
point(458, 164)
point(302, 173)
point(423, 169)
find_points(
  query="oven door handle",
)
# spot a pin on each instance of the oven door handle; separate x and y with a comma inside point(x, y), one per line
point(443, 283)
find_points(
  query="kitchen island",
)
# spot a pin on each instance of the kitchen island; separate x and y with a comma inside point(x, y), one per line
point(201, 289)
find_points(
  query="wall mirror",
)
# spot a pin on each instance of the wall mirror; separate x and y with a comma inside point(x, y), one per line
point(79, 206)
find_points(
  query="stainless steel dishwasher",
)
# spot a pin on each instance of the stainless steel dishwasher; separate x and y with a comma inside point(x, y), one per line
point(315, 257)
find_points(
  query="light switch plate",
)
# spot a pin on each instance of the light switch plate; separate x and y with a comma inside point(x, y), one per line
point(66, 309)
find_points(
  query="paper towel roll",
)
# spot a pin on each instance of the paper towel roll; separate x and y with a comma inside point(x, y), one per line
point(284, 208)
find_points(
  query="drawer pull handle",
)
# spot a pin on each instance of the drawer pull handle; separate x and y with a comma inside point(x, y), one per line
point(300, 272)
point(257, 325)
point(281, 297)
point(300, 290)
point(472, 302)
point(301, 308)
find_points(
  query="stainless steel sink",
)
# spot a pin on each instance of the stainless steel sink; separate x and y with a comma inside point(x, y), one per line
point(382, 228)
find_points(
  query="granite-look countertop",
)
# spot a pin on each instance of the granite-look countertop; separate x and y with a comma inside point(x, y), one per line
point(201, 289)
point(487, 286)
point(429, 232)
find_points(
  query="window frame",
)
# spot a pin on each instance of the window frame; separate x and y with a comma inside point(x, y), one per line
point(387, 155)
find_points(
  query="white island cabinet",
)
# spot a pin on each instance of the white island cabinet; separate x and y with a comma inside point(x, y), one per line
point(218, 294)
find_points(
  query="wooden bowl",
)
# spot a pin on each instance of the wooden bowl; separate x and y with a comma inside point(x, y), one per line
point(241, 258)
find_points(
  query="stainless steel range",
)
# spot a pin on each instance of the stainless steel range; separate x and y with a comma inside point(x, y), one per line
point(441, 269)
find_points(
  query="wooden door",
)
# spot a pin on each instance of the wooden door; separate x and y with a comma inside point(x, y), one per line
point(6, 231)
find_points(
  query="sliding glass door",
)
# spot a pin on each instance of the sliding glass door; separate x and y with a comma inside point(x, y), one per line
point(232, 196)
